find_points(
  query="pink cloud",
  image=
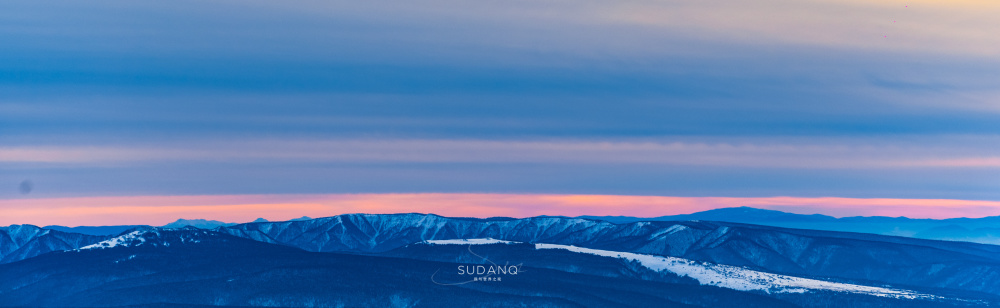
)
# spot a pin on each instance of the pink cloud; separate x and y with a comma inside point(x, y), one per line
point(158, 210)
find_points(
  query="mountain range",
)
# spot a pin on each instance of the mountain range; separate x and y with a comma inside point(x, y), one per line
point(179, 223)
point(19, 242)
point(769, 266)
point(843, 255)
point(984, 230)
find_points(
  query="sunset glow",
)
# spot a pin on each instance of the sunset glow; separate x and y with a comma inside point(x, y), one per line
point(159, 210)
point(118, 112)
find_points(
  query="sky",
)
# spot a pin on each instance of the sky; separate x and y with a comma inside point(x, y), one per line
point(242, 109)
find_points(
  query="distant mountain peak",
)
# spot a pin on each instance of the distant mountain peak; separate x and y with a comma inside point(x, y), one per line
point(746, 210)
point(259, 220)
point(94, 230)
point(742, 214)
point(197, 223)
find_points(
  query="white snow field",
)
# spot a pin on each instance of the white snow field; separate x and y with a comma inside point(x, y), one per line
point(724, 276)
point(474, 241)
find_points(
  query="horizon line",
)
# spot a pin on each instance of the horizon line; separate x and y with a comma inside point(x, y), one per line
point(586, 217)
point(160, 210)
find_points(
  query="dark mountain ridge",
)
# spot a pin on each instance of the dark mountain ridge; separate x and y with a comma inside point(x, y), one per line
point(985, 230)
point(95, 230)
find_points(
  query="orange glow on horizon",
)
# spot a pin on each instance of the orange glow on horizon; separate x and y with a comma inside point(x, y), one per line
point(159, 210)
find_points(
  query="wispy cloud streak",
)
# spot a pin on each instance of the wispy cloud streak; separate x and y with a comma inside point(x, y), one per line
point(812, 155)
point(954, 27)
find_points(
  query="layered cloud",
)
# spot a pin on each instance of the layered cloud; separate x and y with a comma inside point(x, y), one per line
point(851, 98)
point(941, 152)
point(907, 27)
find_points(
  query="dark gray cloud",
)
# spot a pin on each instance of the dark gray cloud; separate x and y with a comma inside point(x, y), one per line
point(25, 187)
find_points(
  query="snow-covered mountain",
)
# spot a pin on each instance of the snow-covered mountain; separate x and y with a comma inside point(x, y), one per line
point(838, 257)
point(894, 260)
point(18, 242)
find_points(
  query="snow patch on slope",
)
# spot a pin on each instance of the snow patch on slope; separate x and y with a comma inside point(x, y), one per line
point(673, 229)
point(154, 238)
point(738, 278)
point(129, 239)
point(725, 276)
point(474, 241)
